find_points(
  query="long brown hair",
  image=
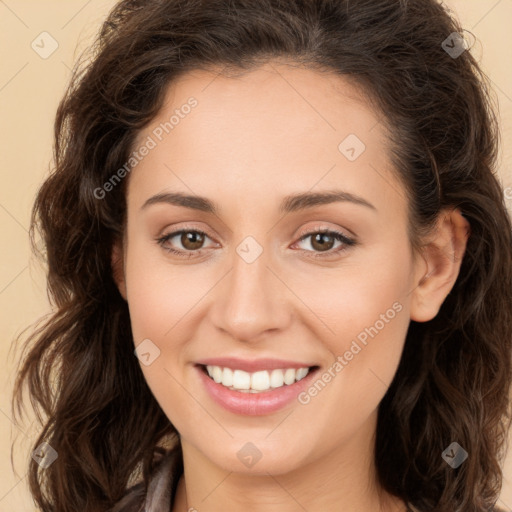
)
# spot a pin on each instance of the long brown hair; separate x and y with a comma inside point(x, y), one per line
point(453, 381)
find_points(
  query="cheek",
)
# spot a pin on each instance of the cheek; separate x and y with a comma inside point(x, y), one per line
point(160, 294)
point(359, 299)
point(368, 307)
point(364, 317)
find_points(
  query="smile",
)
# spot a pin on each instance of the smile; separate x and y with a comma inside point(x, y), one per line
point(256, 382)
point(256, 391)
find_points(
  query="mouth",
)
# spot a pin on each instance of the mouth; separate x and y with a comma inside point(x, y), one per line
point(263, 387)
point(261, 381)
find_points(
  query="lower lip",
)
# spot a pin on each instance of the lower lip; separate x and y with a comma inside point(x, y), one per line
point(254, 404)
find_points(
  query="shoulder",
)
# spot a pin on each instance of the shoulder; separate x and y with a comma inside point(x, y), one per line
point(411, 508)
point(159, 493)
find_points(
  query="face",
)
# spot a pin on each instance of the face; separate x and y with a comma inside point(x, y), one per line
point(255, 286)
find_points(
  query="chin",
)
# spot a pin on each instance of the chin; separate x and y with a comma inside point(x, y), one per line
point(256, 458)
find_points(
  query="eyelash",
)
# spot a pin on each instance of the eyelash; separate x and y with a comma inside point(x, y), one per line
point(337, 235)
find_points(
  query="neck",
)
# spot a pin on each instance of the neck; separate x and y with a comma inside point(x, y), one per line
point(342, 480)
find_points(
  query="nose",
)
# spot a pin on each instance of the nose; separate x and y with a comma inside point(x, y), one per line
point(251, 300)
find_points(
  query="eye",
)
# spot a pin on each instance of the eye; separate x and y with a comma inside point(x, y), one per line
point(323, 241)
point(191, 241)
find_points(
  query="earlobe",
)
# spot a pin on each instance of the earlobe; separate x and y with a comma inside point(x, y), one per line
point(117, 264)
point(443, 256)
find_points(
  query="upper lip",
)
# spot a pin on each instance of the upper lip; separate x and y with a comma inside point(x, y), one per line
point(253, 365)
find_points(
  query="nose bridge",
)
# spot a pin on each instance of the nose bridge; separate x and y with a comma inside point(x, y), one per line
point(251, 300)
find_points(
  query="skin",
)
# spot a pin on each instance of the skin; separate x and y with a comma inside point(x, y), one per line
point(250, 141)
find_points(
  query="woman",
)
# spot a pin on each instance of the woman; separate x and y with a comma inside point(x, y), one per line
point(288, 212)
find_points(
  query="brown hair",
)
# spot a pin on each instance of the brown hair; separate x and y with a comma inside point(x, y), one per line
point(453, 380)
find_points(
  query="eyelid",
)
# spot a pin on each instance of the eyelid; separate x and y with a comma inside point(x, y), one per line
point(303, 232)
point(325, 228)
point(185, 227)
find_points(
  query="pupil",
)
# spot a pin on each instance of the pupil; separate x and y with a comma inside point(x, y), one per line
point(318, 239)
point(192, 237)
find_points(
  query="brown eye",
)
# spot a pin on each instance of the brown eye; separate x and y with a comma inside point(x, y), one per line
point(192, 240)
point(322, 241)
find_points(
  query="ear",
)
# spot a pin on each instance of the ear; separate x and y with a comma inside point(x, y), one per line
point(117, 264)
point(442, 256)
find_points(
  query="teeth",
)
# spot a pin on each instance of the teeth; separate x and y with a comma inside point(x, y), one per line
point(301, 373)
point(260, 381)
point(239, 380)
point(227, 377)
point(289, 376)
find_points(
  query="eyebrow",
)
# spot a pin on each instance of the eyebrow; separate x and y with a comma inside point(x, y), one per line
point(291, 203)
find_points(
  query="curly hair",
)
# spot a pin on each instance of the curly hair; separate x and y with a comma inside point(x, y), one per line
point(453, 380)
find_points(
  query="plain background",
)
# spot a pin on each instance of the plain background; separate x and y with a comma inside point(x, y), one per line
point(30, 89)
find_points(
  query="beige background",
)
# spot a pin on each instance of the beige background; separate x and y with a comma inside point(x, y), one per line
point(30, 88)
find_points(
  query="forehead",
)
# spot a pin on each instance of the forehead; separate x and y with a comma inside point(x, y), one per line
point(276, 128)
point(268, 100)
